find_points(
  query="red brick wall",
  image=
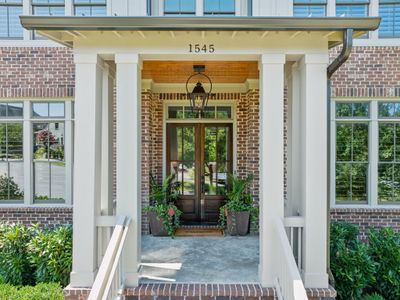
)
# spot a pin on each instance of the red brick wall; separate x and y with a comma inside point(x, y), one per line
point(49, 216)
point(367, 218)
point(369, 72)
point(36, 72)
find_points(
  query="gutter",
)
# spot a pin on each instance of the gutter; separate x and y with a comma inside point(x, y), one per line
point(332, 68)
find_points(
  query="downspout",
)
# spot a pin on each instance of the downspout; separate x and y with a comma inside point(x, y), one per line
point(332, 68)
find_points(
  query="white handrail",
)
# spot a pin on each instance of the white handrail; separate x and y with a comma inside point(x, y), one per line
point(108, 280)
point(288, 282)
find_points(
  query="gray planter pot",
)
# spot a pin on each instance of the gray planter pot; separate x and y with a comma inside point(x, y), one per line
point(237, 223)
point(156, 225)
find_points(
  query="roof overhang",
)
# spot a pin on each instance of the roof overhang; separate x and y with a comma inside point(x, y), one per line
point(49, 25)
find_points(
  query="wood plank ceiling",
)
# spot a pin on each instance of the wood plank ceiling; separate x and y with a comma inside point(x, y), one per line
point(219, 71)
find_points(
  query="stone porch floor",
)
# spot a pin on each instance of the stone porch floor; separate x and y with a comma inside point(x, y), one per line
point(200, 259)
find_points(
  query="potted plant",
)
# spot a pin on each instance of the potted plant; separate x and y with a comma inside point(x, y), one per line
point(162, 212)
point(238, 209)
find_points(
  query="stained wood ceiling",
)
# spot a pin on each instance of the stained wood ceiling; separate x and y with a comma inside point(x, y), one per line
point(219, 71)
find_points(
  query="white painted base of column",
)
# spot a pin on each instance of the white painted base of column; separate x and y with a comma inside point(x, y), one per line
point(316, 280)
point(82, 279)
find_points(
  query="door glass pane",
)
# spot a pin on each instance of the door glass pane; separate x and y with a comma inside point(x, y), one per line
point(188, 144)
point(210, 144)
point(224, 112)
point(210, 178)
point(188, 178)
point(222, 178)
point(209, 112)
point(175, 112)
point(222, 146)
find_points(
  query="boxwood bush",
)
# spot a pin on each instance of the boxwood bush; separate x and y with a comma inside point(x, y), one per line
point(42, 291)
point(368, 271)
point(30, 255)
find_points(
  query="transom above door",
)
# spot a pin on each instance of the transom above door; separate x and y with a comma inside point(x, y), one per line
point(200, 154)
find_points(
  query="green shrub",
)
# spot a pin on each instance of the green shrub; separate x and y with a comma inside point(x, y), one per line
point(51, 255)
point(14, 264)
point(42, 291)
point(373, 297)
point(351, 265)
point(384, 249)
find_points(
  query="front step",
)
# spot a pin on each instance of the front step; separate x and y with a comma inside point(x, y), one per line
point(191, 291)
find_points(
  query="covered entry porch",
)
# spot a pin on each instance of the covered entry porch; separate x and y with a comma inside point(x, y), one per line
point(110, 53)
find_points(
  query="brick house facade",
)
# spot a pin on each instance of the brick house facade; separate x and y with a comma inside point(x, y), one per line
point(48, 72)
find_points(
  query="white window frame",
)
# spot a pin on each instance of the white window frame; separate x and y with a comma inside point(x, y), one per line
point(28, 150)
point(373, 150)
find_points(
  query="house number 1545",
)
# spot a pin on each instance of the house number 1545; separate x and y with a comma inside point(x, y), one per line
point(201, 48)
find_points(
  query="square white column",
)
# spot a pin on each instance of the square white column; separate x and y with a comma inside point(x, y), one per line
point(107, 170)
point(87, 171)
point(271, 158)
point(313, 164)
point(128, 85)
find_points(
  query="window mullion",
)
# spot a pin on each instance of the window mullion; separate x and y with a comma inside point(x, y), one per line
point(374, 155)
point(28, 154)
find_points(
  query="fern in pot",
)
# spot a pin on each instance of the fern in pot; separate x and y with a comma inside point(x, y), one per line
point(164, 216)
point(236, 213)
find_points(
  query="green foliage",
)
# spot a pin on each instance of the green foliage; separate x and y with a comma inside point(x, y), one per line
point(31, 254)
point(373, 296)
point(162, 202)
point(51, 255)
point(42, 291)
point(14, 264)
point(9, 189)
point(352, 267)
point(239, 199)
point(384, 249)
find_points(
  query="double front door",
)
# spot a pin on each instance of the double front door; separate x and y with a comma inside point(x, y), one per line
point(200, 156)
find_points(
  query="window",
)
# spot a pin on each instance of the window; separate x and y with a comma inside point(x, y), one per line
point(90, 7)
point(389, 153)
point(48, 7)
point(219, 7)
point(389, 11)
point(179, 7)
point(309, 8)
point(10, 26)
point(352, 8)
point(11, 153)
point(48, 110)
point(48, 161)
point(210, 112)
point(352, 157)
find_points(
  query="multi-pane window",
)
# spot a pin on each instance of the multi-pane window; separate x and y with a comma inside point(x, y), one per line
point(11, 152)
point(389, 11)
point(179, 7)
point(10, 26)
point(48, 151)
point(90, 7)
point(352, 154)
point(352, 8)
point(210, 112)
point(48, 7)
point(219, 7)
point(389, 152)
point(309, 8)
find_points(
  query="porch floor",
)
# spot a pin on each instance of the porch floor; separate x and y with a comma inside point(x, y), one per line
point(200, 259)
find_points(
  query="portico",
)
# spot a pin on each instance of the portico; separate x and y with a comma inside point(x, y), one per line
point(292, 58)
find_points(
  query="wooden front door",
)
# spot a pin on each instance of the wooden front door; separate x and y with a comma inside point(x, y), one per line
point(201, 157)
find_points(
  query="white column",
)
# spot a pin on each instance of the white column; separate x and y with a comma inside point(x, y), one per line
point(107, 143)
point(374, 12)
point(313, 175)
point(199, 8)
point(69, 8)
point(129, 157)
point(69, 143)
point(28, 156)
point(271, 157)
point(26, 11)
point(295, 140)
point(87, 179)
